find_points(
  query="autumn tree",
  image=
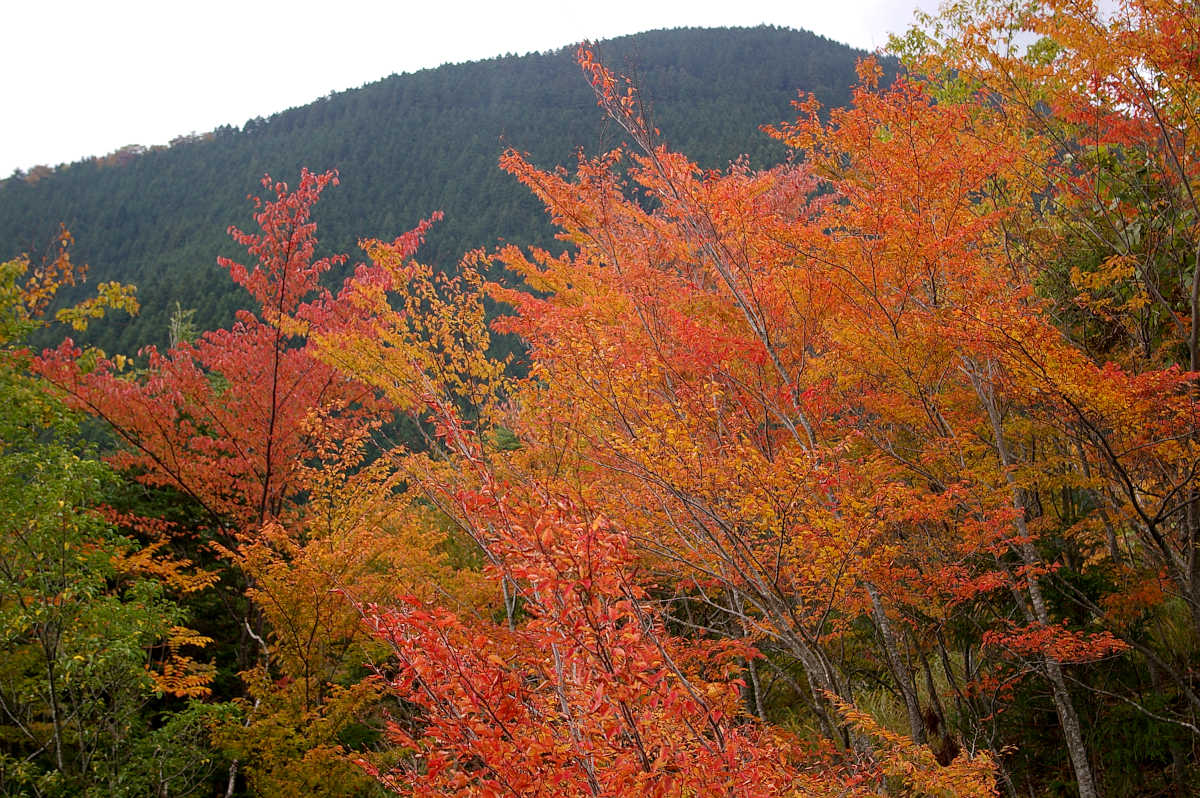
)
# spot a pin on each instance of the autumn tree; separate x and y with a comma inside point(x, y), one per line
point(269, 445)
point(1104, 97)
point(837, 412)
point(577, 685)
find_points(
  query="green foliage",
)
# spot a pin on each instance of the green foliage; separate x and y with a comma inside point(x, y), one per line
point(77, 628)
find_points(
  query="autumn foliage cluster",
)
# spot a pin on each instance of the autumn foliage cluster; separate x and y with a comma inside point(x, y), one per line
point(873, 473)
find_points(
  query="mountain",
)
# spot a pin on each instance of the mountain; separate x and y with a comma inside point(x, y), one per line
point(406, 146)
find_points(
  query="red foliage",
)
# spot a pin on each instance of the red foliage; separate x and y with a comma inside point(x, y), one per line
point(222, 418)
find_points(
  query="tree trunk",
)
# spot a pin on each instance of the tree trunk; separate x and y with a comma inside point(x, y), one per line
point(1067, 717)
point(900, 670)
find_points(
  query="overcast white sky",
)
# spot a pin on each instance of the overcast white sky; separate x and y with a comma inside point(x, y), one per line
point(85, 77)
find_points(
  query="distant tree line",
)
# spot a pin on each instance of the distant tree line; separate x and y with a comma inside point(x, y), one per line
point(405, 146)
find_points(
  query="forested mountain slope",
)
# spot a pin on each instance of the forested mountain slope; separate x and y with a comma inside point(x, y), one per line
point(406, 146)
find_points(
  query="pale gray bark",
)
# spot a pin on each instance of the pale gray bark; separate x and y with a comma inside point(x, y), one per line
point(903, 675)
point(1067, 716)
